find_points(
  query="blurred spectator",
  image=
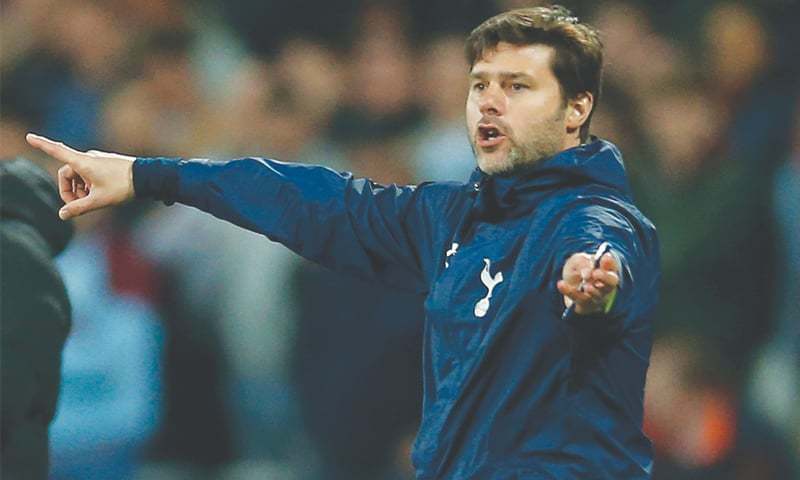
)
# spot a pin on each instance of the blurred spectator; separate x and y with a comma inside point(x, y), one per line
point(228, 340)
point(775, 386)
point(143, 16)
point(36, 316)
point(358, 373)
point(378, 116)
point(707, 156)
point(92, 41)
point(689, 191)
point(110, 399)
point(313, 77)
point(381, 63)
point(737, 49)
point(162, 111)
point(20, 25)
point(682, 124)
point(755, 91)
point(631, 43)
point(194, 438)
point(442, 150)
point(712, 437)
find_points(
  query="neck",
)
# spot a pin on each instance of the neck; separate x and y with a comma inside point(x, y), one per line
point(571, 141)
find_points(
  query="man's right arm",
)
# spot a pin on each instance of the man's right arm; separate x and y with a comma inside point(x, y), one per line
point(350, 225)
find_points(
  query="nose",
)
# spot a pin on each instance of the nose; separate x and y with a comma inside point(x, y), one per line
point(492, 101)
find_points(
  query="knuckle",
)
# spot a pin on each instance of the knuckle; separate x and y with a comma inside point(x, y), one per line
point(81, 164)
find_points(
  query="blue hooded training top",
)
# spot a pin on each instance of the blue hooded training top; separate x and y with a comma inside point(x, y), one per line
point(514, 386)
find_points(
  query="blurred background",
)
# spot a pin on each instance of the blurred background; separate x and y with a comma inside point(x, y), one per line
point(199, 350)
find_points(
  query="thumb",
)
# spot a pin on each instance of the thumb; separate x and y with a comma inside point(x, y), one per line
point(78, 207)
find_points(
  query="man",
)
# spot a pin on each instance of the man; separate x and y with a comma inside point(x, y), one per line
point(35, 315)
point(515, 386)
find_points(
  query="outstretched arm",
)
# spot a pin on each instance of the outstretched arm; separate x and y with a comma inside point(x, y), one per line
point(612, 291)
point(348, 224)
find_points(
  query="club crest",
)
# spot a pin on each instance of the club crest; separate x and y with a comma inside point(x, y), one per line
point(450, 253)
point(490, 282)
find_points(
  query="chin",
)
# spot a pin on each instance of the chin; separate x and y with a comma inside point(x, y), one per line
point(495, 163)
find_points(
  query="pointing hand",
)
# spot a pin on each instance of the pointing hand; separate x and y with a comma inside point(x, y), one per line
point(88, 180)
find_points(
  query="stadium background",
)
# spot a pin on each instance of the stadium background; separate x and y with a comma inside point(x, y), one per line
point(199, 350)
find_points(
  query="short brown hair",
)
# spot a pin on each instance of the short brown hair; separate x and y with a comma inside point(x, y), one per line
point(578, 60)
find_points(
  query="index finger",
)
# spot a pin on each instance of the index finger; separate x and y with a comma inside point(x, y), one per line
point(57, 150)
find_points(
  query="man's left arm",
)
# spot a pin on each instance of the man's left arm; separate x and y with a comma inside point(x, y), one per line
point(605, 292)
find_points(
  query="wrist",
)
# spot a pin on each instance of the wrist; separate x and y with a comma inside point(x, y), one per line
point(130, 192)
point(602, 307)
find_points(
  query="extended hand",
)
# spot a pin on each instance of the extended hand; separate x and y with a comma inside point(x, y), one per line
point(88, 180)
point(589, 288)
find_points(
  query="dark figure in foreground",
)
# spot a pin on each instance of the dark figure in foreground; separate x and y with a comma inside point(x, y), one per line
point(535, 347)
point(34, 315)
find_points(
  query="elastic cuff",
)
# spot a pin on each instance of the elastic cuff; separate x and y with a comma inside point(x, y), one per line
point(156, 178)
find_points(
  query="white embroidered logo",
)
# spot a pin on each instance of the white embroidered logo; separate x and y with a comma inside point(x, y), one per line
point(450, 253)
point(489, 282)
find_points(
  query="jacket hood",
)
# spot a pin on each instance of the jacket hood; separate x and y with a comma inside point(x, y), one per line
point(28, 194)
point(598, 162)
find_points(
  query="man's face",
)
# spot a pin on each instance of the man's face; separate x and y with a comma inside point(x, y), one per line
point(515, 110)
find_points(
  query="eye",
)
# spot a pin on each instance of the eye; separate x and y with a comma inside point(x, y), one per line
point(518, 87)
point(479, 86)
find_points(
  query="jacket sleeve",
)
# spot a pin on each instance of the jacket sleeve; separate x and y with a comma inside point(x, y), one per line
point(633, 243)
point(348, 224)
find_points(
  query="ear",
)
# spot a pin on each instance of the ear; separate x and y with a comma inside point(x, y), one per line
point(578, 110)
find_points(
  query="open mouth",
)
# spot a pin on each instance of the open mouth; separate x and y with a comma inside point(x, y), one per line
point(489, 136)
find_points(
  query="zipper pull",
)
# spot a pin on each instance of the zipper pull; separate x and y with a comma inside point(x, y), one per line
point(477, 186)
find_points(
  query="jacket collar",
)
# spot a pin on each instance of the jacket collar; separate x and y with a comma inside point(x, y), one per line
point(598, 162)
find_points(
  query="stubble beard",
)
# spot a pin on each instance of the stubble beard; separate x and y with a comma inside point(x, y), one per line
point(543, 140)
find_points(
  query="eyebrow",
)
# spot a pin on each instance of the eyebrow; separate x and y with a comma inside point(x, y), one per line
point(505, 75)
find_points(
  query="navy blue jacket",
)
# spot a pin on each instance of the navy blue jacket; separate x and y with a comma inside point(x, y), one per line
point(512, 388)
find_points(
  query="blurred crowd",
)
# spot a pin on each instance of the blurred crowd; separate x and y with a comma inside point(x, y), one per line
point(200, 350)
